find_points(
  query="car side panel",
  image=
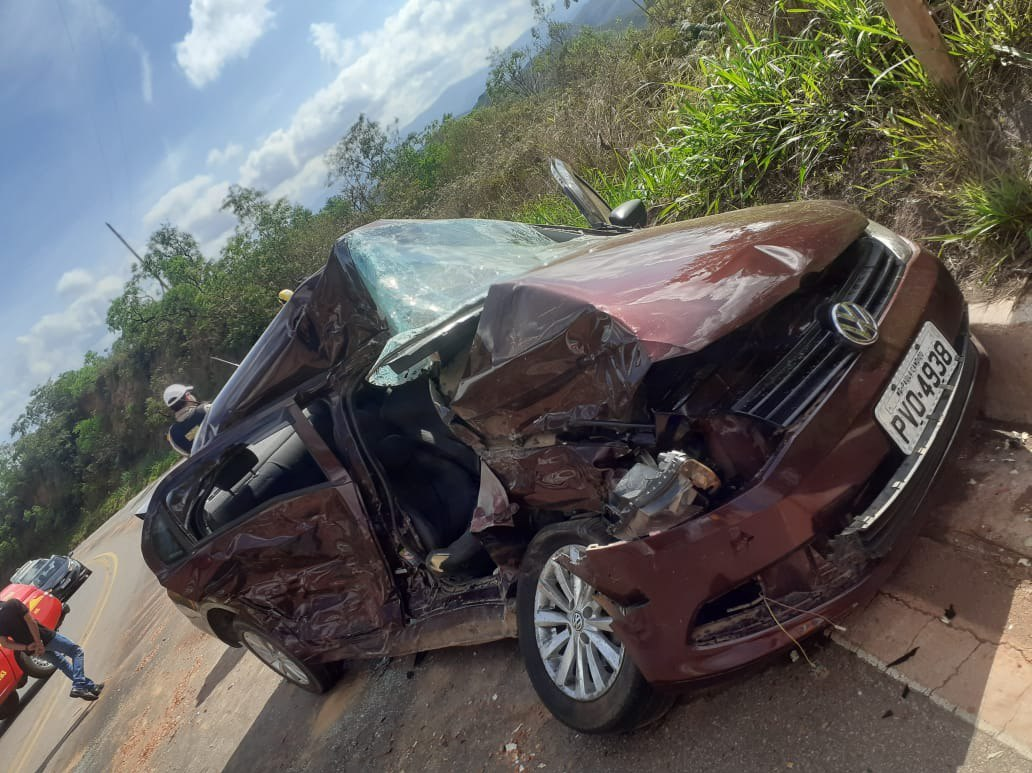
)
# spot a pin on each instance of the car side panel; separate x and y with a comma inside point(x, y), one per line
point(10, 674)
point(43, 606)
point(307, 568)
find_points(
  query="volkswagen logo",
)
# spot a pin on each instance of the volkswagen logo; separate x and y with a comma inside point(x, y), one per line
point(854, 324)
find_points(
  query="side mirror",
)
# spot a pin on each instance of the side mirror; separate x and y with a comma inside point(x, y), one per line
point(630, 214)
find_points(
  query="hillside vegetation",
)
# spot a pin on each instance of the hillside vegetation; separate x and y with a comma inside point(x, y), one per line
point(710, 107)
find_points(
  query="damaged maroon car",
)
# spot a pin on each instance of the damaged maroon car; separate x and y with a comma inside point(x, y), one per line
point(654, 455)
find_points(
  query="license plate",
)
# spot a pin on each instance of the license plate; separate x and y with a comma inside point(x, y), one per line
point(906, 407)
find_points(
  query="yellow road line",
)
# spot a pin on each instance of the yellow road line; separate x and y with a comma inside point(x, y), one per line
point(105, 595)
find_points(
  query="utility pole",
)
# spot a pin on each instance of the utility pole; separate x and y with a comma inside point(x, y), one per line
point(919, 30)
point(136, 255)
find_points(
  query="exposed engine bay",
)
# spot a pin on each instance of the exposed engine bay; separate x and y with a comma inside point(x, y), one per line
point(587, 412)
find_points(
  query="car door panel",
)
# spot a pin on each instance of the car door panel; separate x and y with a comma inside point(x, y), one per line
point(304, 568)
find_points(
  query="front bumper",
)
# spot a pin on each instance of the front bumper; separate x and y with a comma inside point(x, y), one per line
point(769, 537)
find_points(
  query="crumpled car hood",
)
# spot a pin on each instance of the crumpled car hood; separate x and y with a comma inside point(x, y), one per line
point(579, 335)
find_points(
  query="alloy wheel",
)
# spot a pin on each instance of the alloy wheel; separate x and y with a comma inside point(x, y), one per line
point(574, 634)
point(275, 658)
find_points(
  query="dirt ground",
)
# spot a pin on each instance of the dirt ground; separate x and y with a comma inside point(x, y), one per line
point(183, 703)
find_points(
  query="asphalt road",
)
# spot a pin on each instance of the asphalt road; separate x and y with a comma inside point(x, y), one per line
point(179, 701)
point(98, 608)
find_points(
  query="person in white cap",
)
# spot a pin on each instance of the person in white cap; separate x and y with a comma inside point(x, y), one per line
point(189, 412)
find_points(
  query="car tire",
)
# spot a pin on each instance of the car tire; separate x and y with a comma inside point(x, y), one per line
point(10, 706)
point(596, 688)
point(34, 665)
point(315, 678)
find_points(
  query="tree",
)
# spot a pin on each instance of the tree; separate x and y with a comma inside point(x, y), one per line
point(360, 161)
point(174, 258)
point(174, 263)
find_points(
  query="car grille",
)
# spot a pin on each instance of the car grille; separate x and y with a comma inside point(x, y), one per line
point(819, 356)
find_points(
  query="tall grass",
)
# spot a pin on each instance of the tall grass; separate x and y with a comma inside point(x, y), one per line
point(990, 34)
point(772, 110)
point(825, 98)
point(994, 213)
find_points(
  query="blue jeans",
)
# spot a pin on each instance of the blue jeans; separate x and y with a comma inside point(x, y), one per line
point(62, 649)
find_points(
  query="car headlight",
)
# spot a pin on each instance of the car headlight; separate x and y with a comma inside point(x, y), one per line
point(902, 248)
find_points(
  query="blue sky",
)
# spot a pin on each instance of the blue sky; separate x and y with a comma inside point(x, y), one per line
point(138, 112)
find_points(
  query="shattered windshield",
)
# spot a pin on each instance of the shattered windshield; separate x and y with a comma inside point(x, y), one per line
point(421, 270)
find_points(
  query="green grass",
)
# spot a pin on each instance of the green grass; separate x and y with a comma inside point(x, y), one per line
point(823, 97)
point(1000, 207)
point(132, 482)
point(550, 210)
point(772, 111)
point(994, 217)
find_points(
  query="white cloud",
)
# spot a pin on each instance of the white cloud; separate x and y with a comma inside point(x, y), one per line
point(219, 156)
point(221, 30)
point(74, 282)
point(57, 340)
point(194, 207)
point(175, 157)
point(146, 81)
point(396, 72)
point(332, 47)
point(305, 184)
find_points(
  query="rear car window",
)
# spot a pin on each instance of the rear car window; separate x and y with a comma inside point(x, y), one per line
point(251, 474)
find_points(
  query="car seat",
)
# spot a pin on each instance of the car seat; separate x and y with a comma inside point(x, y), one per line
point(439, 496)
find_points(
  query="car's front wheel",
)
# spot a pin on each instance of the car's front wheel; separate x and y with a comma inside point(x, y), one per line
point(577, 666)
point(265, 647)
point(34, 665)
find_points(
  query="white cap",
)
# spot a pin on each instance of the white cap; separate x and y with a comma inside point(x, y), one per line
point(174, 393)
